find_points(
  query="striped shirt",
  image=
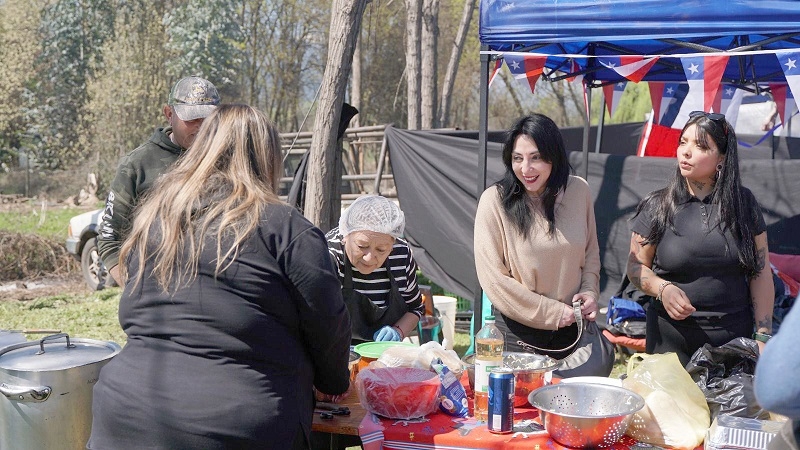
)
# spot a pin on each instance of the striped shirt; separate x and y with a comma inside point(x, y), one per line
point(376, 285)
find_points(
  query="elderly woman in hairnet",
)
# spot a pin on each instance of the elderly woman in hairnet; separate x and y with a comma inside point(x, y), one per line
point(377, 270)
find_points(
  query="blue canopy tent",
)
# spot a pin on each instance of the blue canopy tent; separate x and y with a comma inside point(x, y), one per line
point(748, 31)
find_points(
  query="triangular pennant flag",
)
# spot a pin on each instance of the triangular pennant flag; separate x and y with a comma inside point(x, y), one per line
point(575, 68)
point(634, 68)
point(703, 73)
point(784, 100)
point(527, 67)
point(790, 62)
point(671, 102)
point(612, 93)
point(656, 94)
point(497, 64)
point(727, 102)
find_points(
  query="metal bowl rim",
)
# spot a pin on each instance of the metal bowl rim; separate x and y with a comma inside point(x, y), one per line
point(639, 400)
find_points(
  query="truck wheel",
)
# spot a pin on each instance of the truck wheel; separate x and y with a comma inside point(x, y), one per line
point(94, 272)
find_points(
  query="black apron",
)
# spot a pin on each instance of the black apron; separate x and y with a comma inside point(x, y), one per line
point(366, 317)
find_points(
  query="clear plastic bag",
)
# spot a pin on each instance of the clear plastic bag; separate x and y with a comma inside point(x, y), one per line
point(398, 392)
point(421, 357)
point(675, 413)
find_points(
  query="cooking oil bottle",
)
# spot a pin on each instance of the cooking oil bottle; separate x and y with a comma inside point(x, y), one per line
point(488, 355)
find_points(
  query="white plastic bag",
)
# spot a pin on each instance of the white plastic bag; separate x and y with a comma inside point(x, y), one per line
point(675, 413)
point(421, 357)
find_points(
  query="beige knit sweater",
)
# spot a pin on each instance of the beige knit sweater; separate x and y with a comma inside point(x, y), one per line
point(530, 280)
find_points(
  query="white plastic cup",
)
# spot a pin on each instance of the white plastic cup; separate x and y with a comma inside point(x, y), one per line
point(447, 315)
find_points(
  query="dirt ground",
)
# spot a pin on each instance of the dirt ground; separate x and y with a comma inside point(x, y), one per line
point(26, 290)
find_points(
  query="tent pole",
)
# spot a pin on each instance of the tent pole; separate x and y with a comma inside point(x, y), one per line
point(586, 129)
point(601, 122)
point(483, 119)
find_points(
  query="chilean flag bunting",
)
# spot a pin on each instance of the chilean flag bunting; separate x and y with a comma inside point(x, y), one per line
point(634, 68)
point(703, 73)
point(527, 67)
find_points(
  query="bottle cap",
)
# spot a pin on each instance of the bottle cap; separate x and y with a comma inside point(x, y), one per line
point(488, 318)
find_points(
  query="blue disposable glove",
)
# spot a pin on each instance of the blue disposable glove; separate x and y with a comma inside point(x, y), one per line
point(387, 333)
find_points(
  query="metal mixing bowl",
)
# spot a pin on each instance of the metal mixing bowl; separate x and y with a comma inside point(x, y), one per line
point(585, 414)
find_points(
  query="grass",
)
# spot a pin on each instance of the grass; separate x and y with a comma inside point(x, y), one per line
point(81, 316)
point(51, 223)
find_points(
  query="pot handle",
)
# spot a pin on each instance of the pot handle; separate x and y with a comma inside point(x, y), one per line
point(25, 393)
point(53, 336)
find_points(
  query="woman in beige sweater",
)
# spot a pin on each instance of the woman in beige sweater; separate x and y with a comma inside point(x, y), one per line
point(536, 245)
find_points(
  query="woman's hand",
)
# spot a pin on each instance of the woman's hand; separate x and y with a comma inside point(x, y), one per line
point(322, 397)
point(567, 317)
point(676, 302)
point(588, 305)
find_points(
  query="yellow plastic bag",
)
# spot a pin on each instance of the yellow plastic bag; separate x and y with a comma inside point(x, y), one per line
point(675, 413)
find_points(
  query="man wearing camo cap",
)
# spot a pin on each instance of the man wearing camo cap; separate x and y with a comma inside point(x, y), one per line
point(191, 100)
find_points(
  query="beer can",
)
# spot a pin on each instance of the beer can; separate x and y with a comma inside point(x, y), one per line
point(500, 417)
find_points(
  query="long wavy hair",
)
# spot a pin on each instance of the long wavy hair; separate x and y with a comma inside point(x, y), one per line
point(735, 210)
point(219, 188)
point(545, 133)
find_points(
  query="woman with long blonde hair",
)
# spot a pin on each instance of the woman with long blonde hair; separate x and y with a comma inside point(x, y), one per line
point(231, 305)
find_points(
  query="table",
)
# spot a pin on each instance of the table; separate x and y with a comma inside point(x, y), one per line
point(345, 425)
point(441, 431)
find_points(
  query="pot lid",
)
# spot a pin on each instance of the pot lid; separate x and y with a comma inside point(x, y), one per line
point(60, 352)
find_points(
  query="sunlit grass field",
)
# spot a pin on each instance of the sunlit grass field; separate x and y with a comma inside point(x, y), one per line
point(49, 223)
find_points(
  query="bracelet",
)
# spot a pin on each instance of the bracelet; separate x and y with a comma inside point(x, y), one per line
point(661, 288)
point(761, 337)
point(402, 335)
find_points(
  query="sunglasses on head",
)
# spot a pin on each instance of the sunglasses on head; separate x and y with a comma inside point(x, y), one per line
point(716, 117)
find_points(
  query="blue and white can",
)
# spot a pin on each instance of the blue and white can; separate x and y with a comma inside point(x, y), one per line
point(500, 417)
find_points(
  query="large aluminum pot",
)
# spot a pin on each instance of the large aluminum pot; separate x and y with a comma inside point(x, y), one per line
point(47, 386)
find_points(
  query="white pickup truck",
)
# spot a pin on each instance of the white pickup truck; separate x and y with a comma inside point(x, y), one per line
point(82, 244)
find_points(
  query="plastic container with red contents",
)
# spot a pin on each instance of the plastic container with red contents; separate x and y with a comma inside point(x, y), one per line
point(398, 392)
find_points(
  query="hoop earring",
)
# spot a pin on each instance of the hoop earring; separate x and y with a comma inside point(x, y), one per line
point(719, 170)
point(516, 189)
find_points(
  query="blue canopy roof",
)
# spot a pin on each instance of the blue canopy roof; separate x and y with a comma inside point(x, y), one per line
point(750, 31)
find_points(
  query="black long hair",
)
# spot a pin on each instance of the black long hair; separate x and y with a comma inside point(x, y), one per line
point(545, 133)
point(736, 211)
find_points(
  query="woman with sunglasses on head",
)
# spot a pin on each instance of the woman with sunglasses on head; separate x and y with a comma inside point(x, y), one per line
point(699, 248)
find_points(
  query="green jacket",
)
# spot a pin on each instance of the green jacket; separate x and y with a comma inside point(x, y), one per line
point(136, 173)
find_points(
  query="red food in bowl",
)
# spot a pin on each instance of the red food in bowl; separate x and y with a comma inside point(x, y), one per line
point(398, 392)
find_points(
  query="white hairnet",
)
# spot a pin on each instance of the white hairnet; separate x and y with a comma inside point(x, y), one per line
point(373, 213)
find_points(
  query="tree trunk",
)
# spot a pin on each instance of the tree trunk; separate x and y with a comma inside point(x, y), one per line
point(355, 82)
point(452, 65)
point(323, 201)
point(413, 61)
point(429, 70)
point(514, 97)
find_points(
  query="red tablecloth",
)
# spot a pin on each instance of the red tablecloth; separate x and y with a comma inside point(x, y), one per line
point(441, 431)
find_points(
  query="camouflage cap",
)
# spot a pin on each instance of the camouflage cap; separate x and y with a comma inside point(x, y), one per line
point(193, 98)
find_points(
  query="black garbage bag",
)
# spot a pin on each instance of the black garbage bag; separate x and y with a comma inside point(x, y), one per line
point(725, 375)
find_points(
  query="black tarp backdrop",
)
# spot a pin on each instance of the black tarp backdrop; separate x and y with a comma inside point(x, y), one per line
point(434, 172)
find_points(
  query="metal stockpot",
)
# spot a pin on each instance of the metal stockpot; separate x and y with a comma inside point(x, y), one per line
point(47, 386)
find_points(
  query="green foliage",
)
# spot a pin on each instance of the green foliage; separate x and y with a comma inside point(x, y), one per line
point(19, 43)
point(205, 40)
point(634, 105)
point(127, 97)
point(73, 36)
point(92, 316)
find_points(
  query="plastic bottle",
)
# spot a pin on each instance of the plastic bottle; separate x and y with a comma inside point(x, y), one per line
point(489, 344)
